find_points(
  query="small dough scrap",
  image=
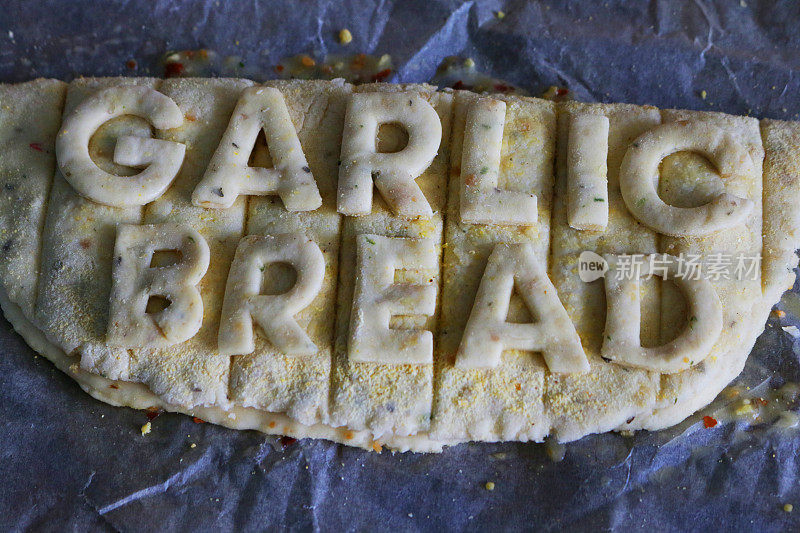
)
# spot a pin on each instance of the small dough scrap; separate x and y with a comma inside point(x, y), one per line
point(134, 281)
point(621, 342)
point(162, 159)
point(377, 298)
point(273, 312)
point(482, 201)
point(488, 333)
point(640, 173)
point(587, 172)
point(394, 174)
point(229, 174)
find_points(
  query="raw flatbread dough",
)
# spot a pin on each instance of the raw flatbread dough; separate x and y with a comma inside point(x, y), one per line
point(55, 277)
point(505, 402)
point(267, 379)
point(390, 399)
point(26, 175)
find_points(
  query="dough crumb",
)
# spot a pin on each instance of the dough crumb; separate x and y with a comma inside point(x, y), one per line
point(345, 37)
point(146, 428)
point(193, 445)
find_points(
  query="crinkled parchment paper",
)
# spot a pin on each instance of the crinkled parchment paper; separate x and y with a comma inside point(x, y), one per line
point(71, 462)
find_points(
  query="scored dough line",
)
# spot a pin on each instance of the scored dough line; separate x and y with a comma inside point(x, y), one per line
point(43, 216)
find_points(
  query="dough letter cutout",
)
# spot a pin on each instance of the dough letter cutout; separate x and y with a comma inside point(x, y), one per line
point(377, 298)
point(228, 174)
point(587, 172)
point(135, 281)
point(393, 173)
point(481, 201)
point(621, 340)
point(487, 333)
point(639, 179)
point(162, 159)
point(244, 304)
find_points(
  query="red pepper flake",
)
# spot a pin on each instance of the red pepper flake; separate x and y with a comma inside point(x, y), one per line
point(561, 91)
point(502, 87)
point(382, 75)
point(86, 243)
point(459, 85)
point(189, 117)
point(287, 441)
point(279, 68)
point(173, 70)
point(152, 413)
point(709, 422)
point(131, 64)
point(113, 386)
point(37, 147)
point(198, 420)
point(358, 62)
point(760, 401)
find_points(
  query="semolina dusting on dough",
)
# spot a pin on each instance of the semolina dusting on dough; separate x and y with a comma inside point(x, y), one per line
point(390, 265)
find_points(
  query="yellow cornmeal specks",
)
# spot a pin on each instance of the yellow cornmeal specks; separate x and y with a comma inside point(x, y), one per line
point(607, 396)
point(703, 95)
point(265, 378)
point(389, 398)
point(468, 399)
point(146, 428)
point(345, 37)
point(560, 392)
point(192, 372)
point(788, 507)
point(20, 210)
point(744, 408)
point(489, 485)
